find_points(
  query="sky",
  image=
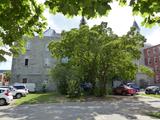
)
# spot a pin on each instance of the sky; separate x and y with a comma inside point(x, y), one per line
point(120, 19)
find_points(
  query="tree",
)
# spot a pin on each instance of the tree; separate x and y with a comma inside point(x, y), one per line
point(24, 17)
point(99, 54)
point(148, 9)
point(7, 75)
point(19, 18)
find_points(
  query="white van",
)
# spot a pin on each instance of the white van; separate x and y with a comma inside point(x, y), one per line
point(30, 86)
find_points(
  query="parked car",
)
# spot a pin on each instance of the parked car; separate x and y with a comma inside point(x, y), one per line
point(124, 90)
point(21, 87)
point(15, 92)
point(5, 96)
point(152, 90)
point(134, 86)
point(30, 86)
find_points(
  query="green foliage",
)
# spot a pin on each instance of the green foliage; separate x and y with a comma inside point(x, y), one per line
point(19, 18)
point(7, 75)
point(147, 71)
point(99, 55)
point(154, 114)
point(148, 9)
point(62, 74)
point(88, 8)
point(73, 89)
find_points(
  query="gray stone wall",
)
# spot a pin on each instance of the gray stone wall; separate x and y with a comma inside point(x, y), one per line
point(39, 63)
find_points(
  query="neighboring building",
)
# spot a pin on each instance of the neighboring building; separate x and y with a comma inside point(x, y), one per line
point(3, 80)
point(142, 79)
point(152, 60)
point(34, 65)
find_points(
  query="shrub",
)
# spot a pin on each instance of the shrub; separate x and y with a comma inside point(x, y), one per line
point(73, 89)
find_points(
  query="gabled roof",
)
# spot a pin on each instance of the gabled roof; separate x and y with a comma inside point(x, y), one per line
point(136, 25)
point(49, 32)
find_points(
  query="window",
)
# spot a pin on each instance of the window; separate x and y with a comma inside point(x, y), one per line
point(148, 52)
point(46, 62)
point(24, 80)
point(156, 69)
point(28, 45)
point(26, 62)
point(155, 59)
point(154, 51)
point(149, 61)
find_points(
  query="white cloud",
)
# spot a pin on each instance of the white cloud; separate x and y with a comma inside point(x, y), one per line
point(153, 36)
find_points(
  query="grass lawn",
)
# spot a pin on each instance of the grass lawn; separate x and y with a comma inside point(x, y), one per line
point(151, 95)
point(154, 114)
point(53, 97)
point(35, 98)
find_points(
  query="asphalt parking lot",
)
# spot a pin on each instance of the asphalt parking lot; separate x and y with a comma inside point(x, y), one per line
point(127, 108)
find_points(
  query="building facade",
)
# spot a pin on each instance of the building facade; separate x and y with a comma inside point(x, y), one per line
point(142, 79)
point(34, 65)
point(152, 60)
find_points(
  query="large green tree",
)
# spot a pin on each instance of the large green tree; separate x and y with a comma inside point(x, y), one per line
point(148, 9)
point(99, 54)
point(24, 17)
point(19, 18)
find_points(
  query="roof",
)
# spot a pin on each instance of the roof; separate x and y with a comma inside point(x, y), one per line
point(49, 32)
point(136, 25)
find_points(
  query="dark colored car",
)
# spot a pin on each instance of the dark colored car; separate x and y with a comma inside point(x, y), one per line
point(124, 90)
point(152, 90)
point(134, 86)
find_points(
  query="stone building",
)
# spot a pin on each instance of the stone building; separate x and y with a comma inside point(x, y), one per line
point(34, 65)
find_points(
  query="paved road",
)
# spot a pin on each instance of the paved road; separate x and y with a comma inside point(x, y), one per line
point(129, 108)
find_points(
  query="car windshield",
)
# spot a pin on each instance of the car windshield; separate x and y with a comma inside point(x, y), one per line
point(152, 87)
point(19, 87)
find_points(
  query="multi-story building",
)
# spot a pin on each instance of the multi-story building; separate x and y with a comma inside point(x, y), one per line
point(142, 79)
point(152, 60)
point(34, 65)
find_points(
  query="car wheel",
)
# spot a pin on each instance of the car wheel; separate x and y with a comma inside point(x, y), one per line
point(18, 95)
point(2, 102)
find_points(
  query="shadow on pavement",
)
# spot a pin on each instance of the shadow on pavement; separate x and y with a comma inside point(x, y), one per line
point(129, 108)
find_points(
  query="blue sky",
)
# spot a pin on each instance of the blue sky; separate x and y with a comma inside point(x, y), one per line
point(119, 19)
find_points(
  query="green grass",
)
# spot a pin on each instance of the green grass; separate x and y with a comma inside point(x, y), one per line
point(154, 114)
point(53, 97)
point(150, 95)
point(35, 98)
